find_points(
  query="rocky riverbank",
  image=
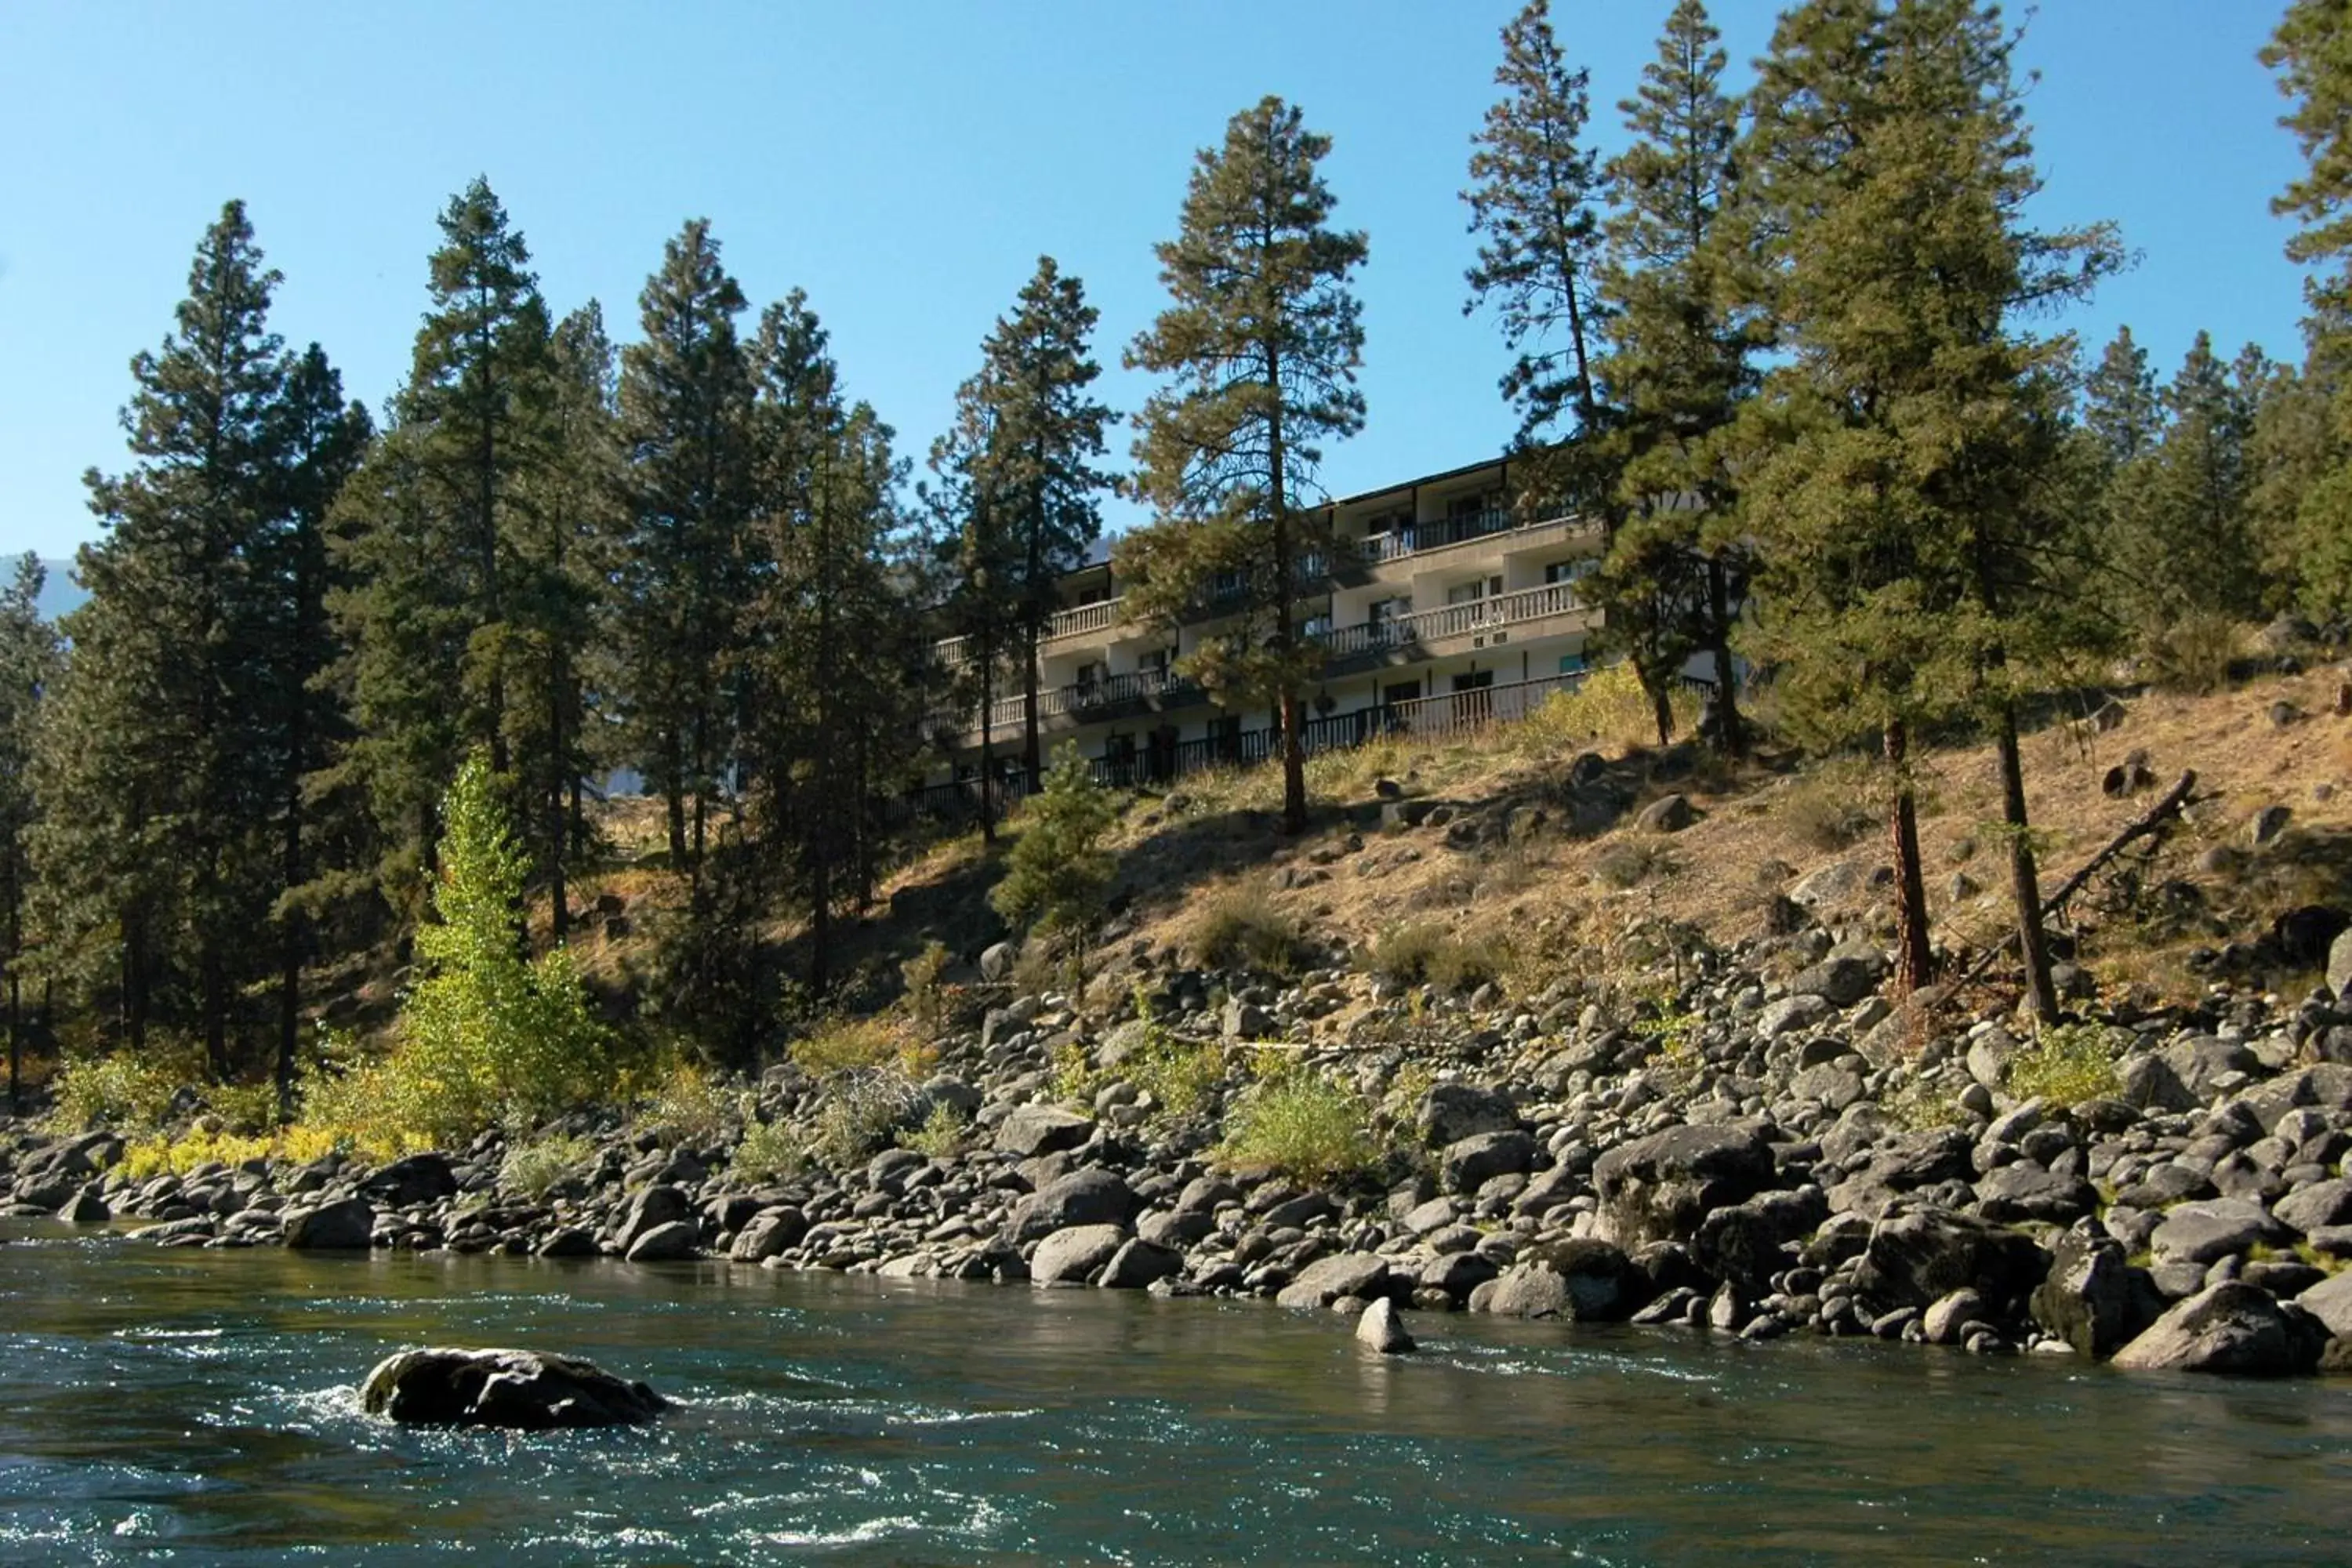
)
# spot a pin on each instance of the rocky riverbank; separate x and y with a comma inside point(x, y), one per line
point(1772, 1148)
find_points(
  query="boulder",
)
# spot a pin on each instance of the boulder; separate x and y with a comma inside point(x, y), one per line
point(1790, 1014)
point(1470, 1163)
point(1668, 814)
point(85, 1207)
point(525, 1389)
point(2330, 1301)
point(1583, 1280)
point(1450, 1112)
point(649, 1209)
point(346, 1225)
point(1034, 1129)
point(1915, 1258)
point(2320, 1205)
point(1137, 1265)
point(2025, 1190)
point(671, 1242)
point(1379, 1331)
point(1838, 882)
point(2092, 1298)
point(2324, 1086)
point(1327, 1279)
point(2227, 1328)
point(2340, 964)
point(416, 1179)
point(1091, 1196)
point(2213, 1230)
point(1842, 979)
point(1072, 1257)
point(996, 962)
point(1744, 1243)
point(1660, 1188)
point(767, 1233)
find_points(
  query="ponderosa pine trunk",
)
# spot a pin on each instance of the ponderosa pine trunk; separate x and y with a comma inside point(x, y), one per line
point(2025, 879)
point(1731, 731)
point(1914, 964)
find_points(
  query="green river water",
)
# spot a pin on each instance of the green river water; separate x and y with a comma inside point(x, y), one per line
point(200, 1407)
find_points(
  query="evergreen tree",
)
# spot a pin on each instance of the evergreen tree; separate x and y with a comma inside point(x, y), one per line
point(2122, 412)
point(29, 656)
point(686, 394)
point(1674, 375)
point(2179, 530)
point(1046, 433)
point(301, 718)
point(1533, 185)
point(982, 607)
point(429, 534)
point(1263, 337)
point(165, 856)
point(1054, 882)
point(1904, 455)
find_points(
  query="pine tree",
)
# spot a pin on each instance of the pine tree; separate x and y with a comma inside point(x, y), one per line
point(29, 656)
point(165, 855)
point(427, 534)
point(1674, 375)
point(2178, 532)
point(1904, 456)
point(686, 395)
point(1263, 337)
point(1533, 182)
point(303, 720)
point(1045, 433)
point(982, 566)
point(2121, 410)
point(1056, 879)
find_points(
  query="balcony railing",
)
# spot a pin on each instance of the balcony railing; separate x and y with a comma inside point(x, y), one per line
point(1441, 534)
point(1078, 619)
point(1085, 696)
point(1474, 615)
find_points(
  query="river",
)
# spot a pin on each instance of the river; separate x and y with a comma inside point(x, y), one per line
point(196, 1406)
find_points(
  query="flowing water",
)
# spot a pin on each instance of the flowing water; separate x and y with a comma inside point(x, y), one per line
point(198, 1407)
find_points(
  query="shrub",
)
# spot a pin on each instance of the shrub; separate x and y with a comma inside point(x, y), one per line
point(691, 1108)
point(2066, 1064)
point(248, 1108)
point(535, 1169)
point(1425, 950)
point(928, 994)
point(1629, 862)
point(862, 1111)
point(1834, 805)
point(940, 1135)
point(2194, 653)
point(768, 1149)
point(129, 1094)
point(1242, 927)
point(1183, 1076)
point(489, 1035)
point(1296, 1123)
point(1607, 708)
point(859, 1044)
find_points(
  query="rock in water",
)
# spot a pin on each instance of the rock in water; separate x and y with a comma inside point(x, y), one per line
point(1379, 1331)
point(2228, 1328)
point(523, 1390)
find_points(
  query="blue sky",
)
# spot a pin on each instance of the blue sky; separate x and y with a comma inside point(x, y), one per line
point(906, 164)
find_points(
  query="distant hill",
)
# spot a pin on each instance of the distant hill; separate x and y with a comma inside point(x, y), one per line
point(60, 592)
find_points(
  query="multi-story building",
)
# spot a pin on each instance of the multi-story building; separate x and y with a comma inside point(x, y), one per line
point(1438, 607)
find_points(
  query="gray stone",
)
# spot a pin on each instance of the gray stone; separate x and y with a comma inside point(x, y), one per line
point(1327, 1279)
point(2340, 964)
point(2317, 1206)
point(2092, 1298)
point(2330, 1301)
point(525, 1389)
point(85, 1207)
point(1034, 1129)
point(1668, 814)
point(1379, 1331)
point(767, 1233)
point(2268, 823)
point(1945, 1322)
point(996, 962)
point(651, 1208)
point(1790, 1014)
point(1837, 883)
point(416, 1179)
point(1450, 1112)
point(667, 1243)
point(1468, 1164)
point(1525, 1293)
point(1089, 1196)
point(1831, 1085)
point(1842, 979)
point(1074, 1256)
point(347, 1225)
point(2024, 1190)
point(1597, 1283)
point(2214, 1228)
point(1137, 1265)
point(2227, 1328)
point(1916, 1259)
point(1745, 1243)
point(1660, 1188)
point(1987, 1059)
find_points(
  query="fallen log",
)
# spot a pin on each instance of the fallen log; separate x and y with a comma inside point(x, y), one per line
point(2155, 819)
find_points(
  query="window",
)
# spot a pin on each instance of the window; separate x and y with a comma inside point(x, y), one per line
point(1384, 611)
point(1571, 664)
point(1466, 593)
point(1571, 570)
point(1315, 627)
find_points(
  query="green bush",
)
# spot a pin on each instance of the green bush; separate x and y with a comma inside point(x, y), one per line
point(1629, 862)
point(862, 1113)
point(1183, 1076)
point(1240, 928)
point(536, 1169)
point(130, 1095)
point(1296, 1123)
point(2065, 1065)
point(691, 1108)
point(859, 1044)
point(489, 1034)
point(1425, 950)
point(1056, 877)
point(940, 1135)
point(768, 1149)
point(1834, 805)
point(929, 1001)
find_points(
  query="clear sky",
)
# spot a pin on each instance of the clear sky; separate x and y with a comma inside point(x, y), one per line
point(907, 160)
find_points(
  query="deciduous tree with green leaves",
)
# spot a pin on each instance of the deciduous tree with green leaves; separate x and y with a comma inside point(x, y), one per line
point(1261, 340)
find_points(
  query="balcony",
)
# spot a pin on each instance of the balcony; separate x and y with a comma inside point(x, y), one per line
point(1075, 621)
point(1088, 700)
point(1445, 534)
point(1472, 618)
